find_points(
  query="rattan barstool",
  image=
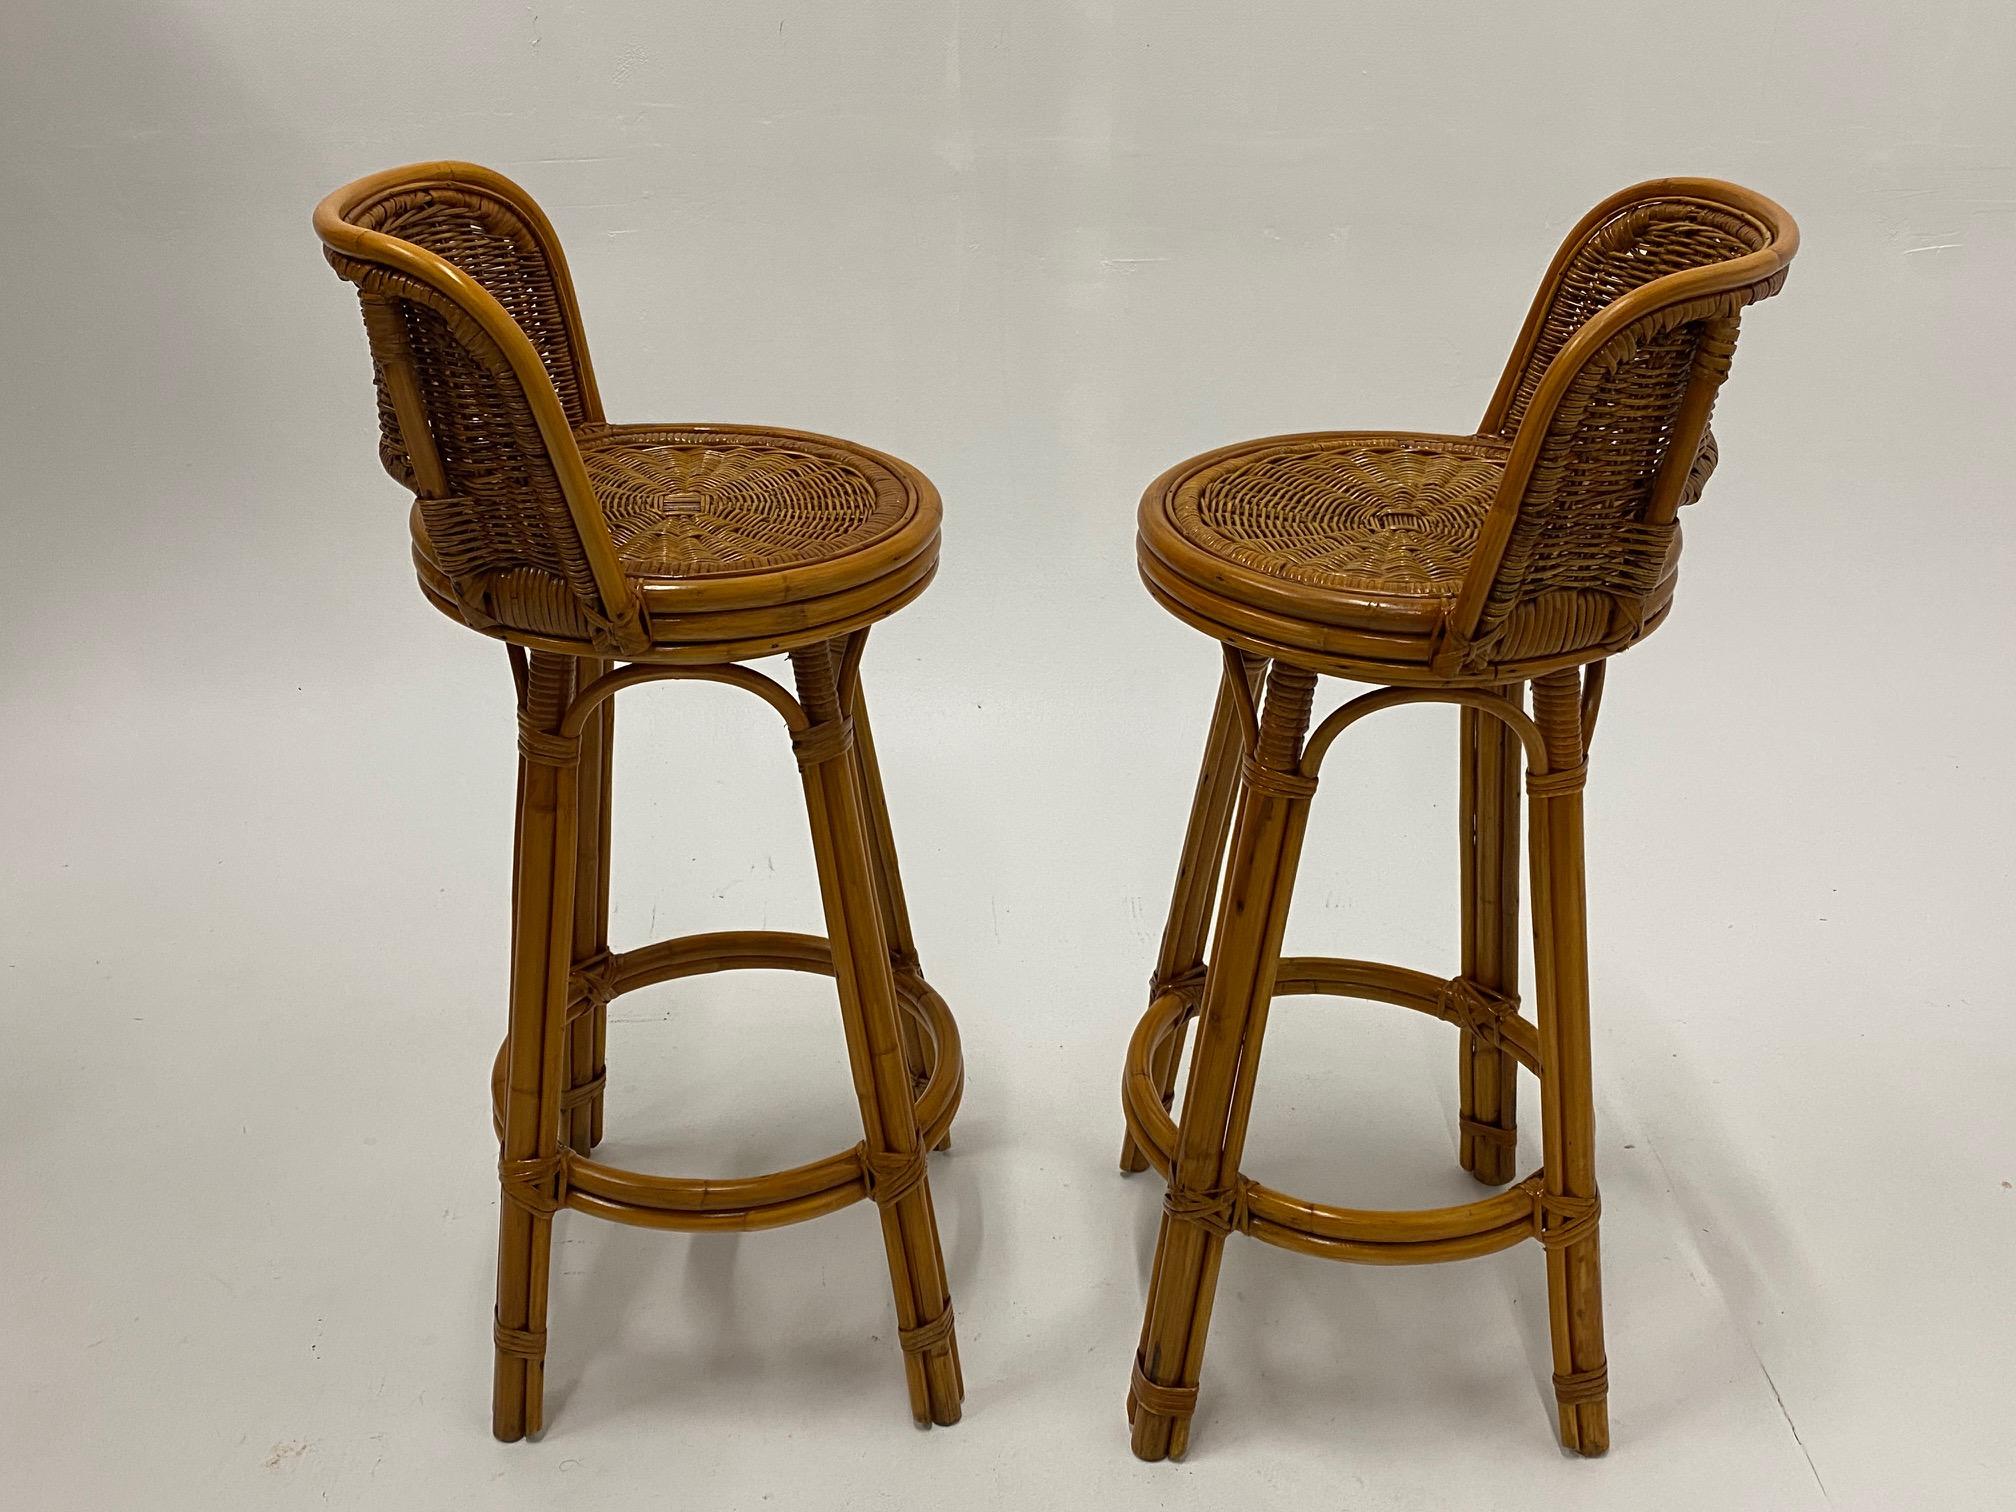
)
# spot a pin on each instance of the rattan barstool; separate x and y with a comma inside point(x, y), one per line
point(1445, 569)
point(605, 556)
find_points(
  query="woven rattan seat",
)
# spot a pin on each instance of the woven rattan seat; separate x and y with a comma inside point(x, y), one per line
point(1495, 572)
point(606, 556)
point(705, 502)
point(1386, 522)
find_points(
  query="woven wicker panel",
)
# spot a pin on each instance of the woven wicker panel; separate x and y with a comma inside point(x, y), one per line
point(508, 510)
point(685, 503)
point(503, 530)
point(1648, 240)
point(1582, 531)
point(1581, 526)
point(488, 239)
point(1376, 514)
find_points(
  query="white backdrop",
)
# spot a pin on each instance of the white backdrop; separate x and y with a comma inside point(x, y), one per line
point(252, 933)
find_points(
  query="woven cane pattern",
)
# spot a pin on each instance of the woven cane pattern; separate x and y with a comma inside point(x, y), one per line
point(492, 242)
point(1643, 241)
point(1375, 514)
point(505, 509)
point(1583, 558)
point(684, 503)
point(502, 530)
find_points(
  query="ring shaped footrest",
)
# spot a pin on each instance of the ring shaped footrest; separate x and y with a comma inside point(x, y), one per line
point(744, 1202)
point(1365, 1235)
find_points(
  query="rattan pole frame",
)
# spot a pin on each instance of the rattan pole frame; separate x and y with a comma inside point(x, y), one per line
point(564, 976)
point(918, 1054)
point(1473, 571)
point(1488, 828)
point(588, 1034)
point(1238, 985)
point(1180, 965)
point(607, 557)
point(882, 1075)
point(1212, 1198)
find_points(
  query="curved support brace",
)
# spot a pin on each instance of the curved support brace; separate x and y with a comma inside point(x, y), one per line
point(733, 674)
point(847, 676)
point(744, 1202)
point(1362, 1235)
point(1241, 684)
point(1453, 1001)
point(1592, 699)
point(1345, 715)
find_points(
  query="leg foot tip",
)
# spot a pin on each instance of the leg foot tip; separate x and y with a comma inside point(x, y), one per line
point(938, 1414)
point(938, 1390)
point(1157, 1437)
point(1585, 1429)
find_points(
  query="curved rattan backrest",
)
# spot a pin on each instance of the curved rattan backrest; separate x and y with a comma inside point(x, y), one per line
point(482, 372)
point(1606, 402)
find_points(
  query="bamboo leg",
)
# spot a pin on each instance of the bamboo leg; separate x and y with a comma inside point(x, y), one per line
point(1203, 1205)
point(606, 719)
point(889, 890)
point(894, 1157)
point(1567, 1105)
point(587, 1036)
point(1185, 934)
point(1487, 1075)
point(531, 1164)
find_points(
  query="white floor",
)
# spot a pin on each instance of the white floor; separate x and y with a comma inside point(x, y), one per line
point(252, 918)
